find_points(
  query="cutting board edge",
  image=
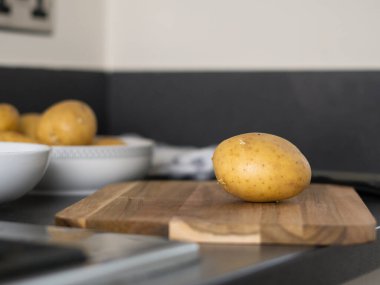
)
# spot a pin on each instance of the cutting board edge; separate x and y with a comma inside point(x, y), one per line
point(179, 230)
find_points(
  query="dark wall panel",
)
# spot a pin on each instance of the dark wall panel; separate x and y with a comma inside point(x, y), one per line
point(33, 90)
point(333, 117)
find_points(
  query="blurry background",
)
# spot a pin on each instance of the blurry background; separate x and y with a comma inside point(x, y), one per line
point(196, 72)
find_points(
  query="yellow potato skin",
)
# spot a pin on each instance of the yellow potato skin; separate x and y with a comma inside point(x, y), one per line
point(29, 124)
point(69, 122)
point(108, 140)
point(259, 167)
point(9, 117)
point(10, 136)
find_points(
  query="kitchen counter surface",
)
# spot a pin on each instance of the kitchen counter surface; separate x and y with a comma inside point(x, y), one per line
point(227, 264)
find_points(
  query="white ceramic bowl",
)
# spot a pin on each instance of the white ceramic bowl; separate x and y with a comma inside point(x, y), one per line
point(22, 166)
point(92, 167)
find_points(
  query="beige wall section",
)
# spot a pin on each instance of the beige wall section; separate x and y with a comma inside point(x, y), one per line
point(243, 34)
point(76, 43)
point(203, 35)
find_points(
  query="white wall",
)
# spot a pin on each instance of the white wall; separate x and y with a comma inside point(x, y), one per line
point(203, 35)
point(243, 34)
point(78, 40)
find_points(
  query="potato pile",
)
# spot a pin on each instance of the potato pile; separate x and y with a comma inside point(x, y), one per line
point(66, 123)
point(259, 167)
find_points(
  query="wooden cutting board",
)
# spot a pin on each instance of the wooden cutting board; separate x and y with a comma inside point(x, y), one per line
point(203, 212)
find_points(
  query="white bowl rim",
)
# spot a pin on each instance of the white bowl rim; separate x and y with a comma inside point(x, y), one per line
point(133, 147)
point(16, 148)
point(131, 143)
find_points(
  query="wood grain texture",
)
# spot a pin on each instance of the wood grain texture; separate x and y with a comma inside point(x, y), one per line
point(203, 212)
point(134, 207)
point(321, 215)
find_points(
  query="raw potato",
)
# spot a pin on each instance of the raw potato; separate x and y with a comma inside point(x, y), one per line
point(29, 124)
point(9, 117)
point(260, 167)
point(108, 140)
point(69, 122)
point(15, 137)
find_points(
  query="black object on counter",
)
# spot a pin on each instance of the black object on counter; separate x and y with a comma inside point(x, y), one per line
point(362, 182)
point(20, 259)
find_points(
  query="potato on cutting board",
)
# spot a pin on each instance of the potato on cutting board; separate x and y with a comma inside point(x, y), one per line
point(261, 167)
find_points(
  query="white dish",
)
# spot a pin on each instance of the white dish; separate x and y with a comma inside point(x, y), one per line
point(92, 167)
point(22, 166)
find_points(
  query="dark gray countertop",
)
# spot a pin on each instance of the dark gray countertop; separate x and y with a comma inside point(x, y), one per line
point(225, 264)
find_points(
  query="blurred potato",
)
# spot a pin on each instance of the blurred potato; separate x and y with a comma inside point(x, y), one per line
point(10, 136)
point(70, 122)
point(29, 124)
point(9, 117)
